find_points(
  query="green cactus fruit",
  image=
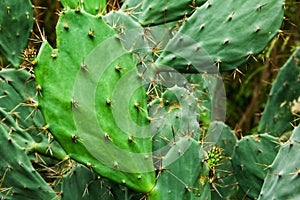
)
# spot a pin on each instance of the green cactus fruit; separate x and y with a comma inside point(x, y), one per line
point(224, 183)
point(282, 180)
point(96, 106)
point(91, 6)
point(19, 180)
point(183, 173)
point(252, 156)
point(16, 21)
point(160, 12)
point(227, 32)
point(284, 101)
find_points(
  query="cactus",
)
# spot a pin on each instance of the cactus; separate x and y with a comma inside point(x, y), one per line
point(91, 6)
point(91, 92)
point(174, 115)
point(132, 7)
point(224, 183)
point(16, 21)
point(283, 103)
point(81, 183)
point(19, 112)
point(283, 170)
point(160, 12)
point(250, 160)
point(182, 168)
point(68, 113)
point(228, 33)
point(19, 179)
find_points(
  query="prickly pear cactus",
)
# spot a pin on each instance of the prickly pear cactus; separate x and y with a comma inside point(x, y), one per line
point(174, 115)
point(91, 6)
point(82, 183)
point(16, 21)
point(228, 32)
point(284, 101)
point(183, 173)
point(18, 178)
point(85, 107)
point(252, 155)
point(224, 184)
point(283, 170)
point(160, 12)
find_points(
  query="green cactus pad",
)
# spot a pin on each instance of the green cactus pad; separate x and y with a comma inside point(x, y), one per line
point(252, 156)
point(174, 115)
point(91, 6)
point(284, 101)
point(183, 173)
point(81, 183)
point(282, 180)
point(230, 32)
point(18, 178)
point(224, 184)
point(93, 101)
point(132, 7)
point(19, 112)
point(160, 12)
point(16, 21)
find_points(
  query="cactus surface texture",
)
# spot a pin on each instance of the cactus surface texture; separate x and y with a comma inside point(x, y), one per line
point(16, 21)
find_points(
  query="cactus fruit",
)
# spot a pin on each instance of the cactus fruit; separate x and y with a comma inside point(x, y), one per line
point(160, 12)
point(182, 168)
point(224, 183)
point(228, 32)
point(281, 109)
point(124, 155)
point(252, 156)
point(284, 169)
point(16, 21)
point(91, 6)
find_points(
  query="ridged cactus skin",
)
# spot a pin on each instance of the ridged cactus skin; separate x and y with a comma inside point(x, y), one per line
point(252, 156)
point(82, 183)
point(284, 99)
point(183, 173)
point(22, 135)
point(160, 12)
point(18, 99)
point(91, 6)
point(282, 180)
point(230, 32)
point(19, 112)
point(66, 106)
point(16, 21)
point(18, 178)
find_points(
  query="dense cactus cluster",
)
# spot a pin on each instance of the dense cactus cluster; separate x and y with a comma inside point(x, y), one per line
point(130, 104)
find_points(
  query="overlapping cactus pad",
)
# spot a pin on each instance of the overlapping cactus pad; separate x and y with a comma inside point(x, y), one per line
point(283, 104)
point(16, 20)
point(230, 32)
point(93, 101)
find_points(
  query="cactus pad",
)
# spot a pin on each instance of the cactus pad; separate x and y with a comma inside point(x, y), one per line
point(16, 21)
point(98, 121)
